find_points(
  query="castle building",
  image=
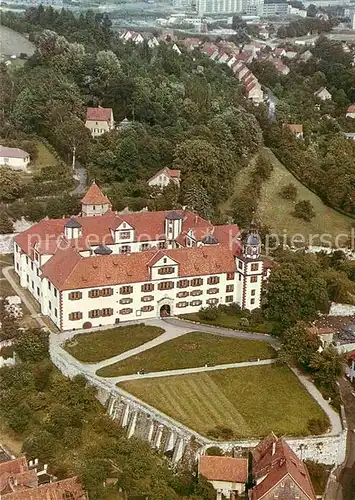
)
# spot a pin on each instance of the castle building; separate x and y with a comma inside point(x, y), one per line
point(104, 267)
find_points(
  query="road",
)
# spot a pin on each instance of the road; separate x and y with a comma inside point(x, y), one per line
point(81, 175)
point(346, 485)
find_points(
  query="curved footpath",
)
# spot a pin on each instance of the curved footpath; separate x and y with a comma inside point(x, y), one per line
point(173, 328)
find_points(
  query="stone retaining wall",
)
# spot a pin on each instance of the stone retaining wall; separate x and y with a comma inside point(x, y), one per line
point(166, 434)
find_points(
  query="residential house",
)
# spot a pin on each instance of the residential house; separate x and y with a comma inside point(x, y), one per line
point(280, 67)
point(323, 94)
point(349, 135)
point(351, 367)
point(350, 112)
point(164, 177)
point(89, 271)
point(99, 120)
point(279, 473)
point(227, 475)
point(14, 158)
point(22, 481)
point(290, 54)
point(176, 49)
point(306, 56)
point(296, 129)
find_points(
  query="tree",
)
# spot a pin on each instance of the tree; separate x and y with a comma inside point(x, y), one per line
point(196, 198)
point(299, 344)
point(328, 366)
point(263, 169)
point(9, 324)
point(32, 345)
point(6, 224)
point(40, 444)
point(10, 185)
point(304, 210)
point(289, 192)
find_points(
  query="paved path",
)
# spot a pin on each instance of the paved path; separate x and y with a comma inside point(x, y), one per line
point(19, 291)
point(185, 371)
point(81, 175)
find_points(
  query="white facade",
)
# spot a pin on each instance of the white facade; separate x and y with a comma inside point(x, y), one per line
point(14, 160)
point(220, 6)
point(99, 127)
point(225, 489)
point(164, 177)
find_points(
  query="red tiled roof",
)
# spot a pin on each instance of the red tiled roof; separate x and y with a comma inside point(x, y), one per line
point(295, 127)
point(274, 458)
point(224, 469)
point(98, 114)
point(13, 466)
point(94, 196)
point(59, 490)
point(351, 108)
point(114, 269)
point(174, 173)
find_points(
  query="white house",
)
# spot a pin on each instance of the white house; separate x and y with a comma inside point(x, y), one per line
point(227, 475)
point(99, 120)
point(89, 271)
point(350, 112)
point(296, 129)
point(165, 177)
point(14, 158)
point(323, 94)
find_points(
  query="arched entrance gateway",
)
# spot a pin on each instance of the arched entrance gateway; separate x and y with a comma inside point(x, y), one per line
point(165, 311)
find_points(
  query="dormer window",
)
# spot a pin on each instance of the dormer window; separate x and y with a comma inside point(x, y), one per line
point(165, 260)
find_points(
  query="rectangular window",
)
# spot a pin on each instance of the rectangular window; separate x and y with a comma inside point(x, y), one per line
point(55, 292)
point(124, 290)
point(183, 283)
point(196, 292)
point(28, 279)
point(37, 291)
point(37, 272)
point(166, 285)
point(212, 302)
point(230, 276)
point(240, 265)
point(213, 280)
point(56, 312)
point(144, 246)
point(18, 267)
point(147, 298)
point(254, 267)
point(195, 302)
point(166, 270)
point(229, 298)
point(252, 301)
point(254, 279)
point(161, 244)
point(33, 285)
point(196, 282)
point(147, 308)
point(125, 249)
point(49, 285)
point(212, 291)
point(74, 316)
point(147, 287)
point(240, 277)
point(106, 292)
point(26, 260)
point(127, 300)
point(50, 305)
point(126, 311)
point(125, 235)
point(182, 294)
point(229, 288)
point(253, 292)
point(107, 311)
point(182, 304)
point(75, 295)
point(95, 313)
point(32, 266)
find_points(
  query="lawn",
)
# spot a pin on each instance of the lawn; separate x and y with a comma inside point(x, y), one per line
point(251, 402)
point(232, 321)
point(44, 158)
point(191, 350)
point(275, 212)
point(6, 260)
point(96, 346)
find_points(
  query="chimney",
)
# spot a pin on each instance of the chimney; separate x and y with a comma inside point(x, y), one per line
point(273, 448)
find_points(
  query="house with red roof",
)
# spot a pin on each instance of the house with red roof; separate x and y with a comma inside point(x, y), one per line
point(14, 158)
point(99, 120)
point(295, 128)
point(350, 112)
point(227, 475)
point(104, 267)
point(164, 177)
point(279, 473)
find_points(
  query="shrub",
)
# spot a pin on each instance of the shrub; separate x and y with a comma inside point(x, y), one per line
point(32, 345)
point(317, 425)
point(214, 451)
point(6, 225)
point(231, 309)
point(289, 192)
point(210, 313)
point(221, 432)
point(244, 322)
point(319, 475)
point(257, 315)
point(263, 169)
point(304, 210)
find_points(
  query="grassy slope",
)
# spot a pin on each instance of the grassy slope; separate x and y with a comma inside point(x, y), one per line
point(96, 346)
point(251, 401)
point(191, 350)
point(275, 212)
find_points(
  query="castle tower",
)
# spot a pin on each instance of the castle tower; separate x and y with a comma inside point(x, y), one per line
point(95, 202)
point(249, 266)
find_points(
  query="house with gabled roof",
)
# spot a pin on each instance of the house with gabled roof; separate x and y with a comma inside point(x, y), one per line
point(227, 475)
point(350, 112)
point(99, 120)
point(279, 473)
point(323, 94)
point(14, 158)
point(88, 271)
point(295, 128)
point(164, 177)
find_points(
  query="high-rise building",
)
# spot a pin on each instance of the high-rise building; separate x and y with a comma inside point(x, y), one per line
point(220, 6)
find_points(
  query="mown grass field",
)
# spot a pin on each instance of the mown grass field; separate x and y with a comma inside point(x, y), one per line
point(276, 212)
point(96, 346)
point(44, 159)
point(191, 350)
point(5, 261)
point(251, 402)
point(232, 321)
